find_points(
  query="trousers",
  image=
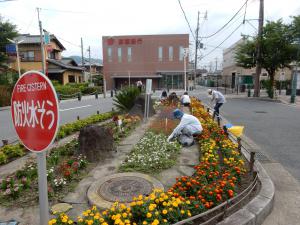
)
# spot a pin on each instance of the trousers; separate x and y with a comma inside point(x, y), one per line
point(186, 137)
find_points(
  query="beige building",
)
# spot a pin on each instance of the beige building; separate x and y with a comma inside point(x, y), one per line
point(233, 75)
point(64, 70)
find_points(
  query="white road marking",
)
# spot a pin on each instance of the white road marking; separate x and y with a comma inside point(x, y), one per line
point(79, 107)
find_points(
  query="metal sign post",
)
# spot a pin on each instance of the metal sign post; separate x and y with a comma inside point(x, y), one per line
point(147, 98)
point(35, 116)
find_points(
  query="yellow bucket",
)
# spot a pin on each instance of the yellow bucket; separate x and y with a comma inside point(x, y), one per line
point(236, 130)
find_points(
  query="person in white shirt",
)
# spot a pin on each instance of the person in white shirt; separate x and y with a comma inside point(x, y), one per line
point(219, 98)
point(189, 125)
point(185, 99)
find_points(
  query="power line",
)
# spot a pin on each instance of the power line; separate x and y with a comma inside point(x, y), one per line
point(64, 11)
point(222, 41)
point(227, 22)
point(186, 19)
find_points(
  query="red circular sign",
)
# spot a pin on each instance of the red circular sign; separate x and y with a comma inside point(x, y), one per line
point(34, 109)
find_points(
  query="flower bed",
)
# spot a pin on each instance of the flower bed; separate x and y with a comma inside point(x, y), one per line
point(73, 127)
point(10, 152)
point(151, 154)
point(215, 180)
point(65, 169)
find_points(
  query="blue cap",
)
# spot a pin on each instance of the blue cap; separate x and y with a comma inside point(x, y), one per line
point(177, 113)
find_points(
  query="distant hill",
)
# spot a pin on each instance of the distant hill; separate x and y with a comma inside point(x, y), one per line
point(78, 59)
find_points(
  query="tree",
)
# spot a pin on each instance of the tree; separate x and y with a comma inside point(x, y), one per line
point(278, 50)
point(7, 30)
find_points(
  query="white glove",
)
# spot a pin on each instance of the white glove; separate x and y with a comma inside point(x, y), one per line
point(169, 138)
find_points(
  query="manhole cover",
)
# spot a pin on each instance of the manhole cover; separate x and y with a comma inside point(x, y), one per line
point(123, 189)
point(260, 111)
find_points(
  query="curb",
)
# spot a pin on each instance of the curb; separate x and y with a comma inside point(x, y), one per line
point(256, 211)
point(4, 108)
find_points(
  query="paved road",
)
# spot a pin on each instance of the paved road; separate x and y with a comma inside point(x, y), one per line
point(69, 110)
point(275, 127)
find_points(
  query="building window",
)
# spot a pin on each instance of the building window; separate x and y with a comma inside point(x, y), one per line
point(51, 55)
point(119, 55)
point(160, 53)
point(27, 56)
point(129, 54)
point(71, 79)
point(109, 54)
point(170, 53)
point(181, 53)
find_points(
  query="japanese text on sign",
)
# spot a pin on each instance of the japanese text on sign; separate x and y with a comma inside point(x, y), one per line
point(33, 113)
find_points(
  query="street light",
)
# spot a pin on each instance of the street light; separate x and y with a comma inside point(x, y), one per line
point(185, 54)
point(16, 42)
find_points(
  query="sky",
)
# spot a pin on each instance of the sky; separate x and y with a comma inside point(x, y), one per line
point(70, 20)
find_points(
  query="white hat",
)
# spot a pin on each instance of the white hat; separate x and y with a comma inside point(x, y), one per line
point(209, 91)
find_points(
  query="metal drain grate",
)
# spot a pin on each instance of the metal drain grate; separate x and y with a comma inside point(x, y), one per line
point(261, 157)
point(260, 111)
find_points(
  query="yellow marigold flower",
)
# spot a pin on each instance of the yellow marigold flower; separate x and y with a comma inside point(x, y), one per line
point(53, 221)
point(80, 220)
point(170, 209)
point(189, 214)
point(124, 215)
point(140, 197)
point(112, 209)
point(164, 204)
point(156, 213)
point(118, 221)
point(145, 222)
point(165, 211)
point(64, 220)
point(88, 211)
point(188, 202)
point(90, 222)
point(101, 220)
point(70, 222)
point(85, 213)
point(92, 214)
point(157, 201)
point(127, 221)
point(175, 204)
point(182, 211)
point(149, 215)
point(164, 220)
point(155, 222)
point(104, 212)
point(123, 206)
point(104, 223)
point(133, 204)
point(96, 217)
point(94, 208)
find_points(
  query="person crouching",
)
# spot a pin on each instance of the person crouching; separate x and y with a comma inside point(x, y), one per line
point(185, 99)
point(189, 125)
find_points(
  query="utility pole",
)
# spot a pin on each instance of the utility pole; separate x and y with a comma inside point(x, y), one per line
point(258, 49)
point(295, 77)
point(89, 50)
point(196, 50)
point(216, 64)
point(82, 58)
point(42, 42)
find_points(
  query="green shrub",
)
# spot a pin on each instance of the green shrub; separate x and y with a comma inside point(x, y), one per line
point(13, 151)
point(3, 158)
point(269, 87)
point(71, 128)
point(124, 100)
point(66, 90)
